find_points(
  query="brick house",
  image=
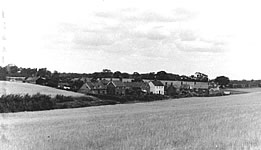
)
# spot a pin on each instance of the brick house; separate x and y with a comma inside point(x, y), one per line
point(116, 88)
point(93, 88)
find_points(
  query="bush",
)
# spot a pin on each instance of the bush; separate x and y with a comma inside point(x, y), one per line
point(17, 103)
point(131, 98)
point(37, 102)
point(62, 98)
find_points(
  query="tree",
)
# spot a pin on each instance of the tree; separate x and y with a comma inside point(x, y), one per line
point(43, 72)
point(152, 76)
point(54, 79)
point(12, 69)
point(222, 81)
point(136, 77)
point(117, 74)
point(106, 73)
point(201, 76)
point(125, 75)
point(162, 75)
point(3, 73)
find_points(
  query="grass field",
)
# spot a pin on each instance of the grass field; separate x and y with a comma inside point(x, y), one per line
point(26, 88)
point(228, 122)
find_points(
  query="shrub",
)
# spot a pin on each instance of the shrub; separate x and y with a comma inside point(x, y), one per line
point(62, 98)
point(17, 103)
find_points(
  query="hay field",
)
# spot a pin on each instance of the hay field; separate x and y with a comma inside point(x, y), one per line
point(7, 87)
point(228, 122)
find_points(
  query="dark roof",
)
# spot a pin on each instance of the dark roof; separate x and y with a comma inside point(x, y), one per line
point(118, 83)
point(157, 83)
point(95, 85)
point(64, 84)
point(104, 82)
point(136, 84)
point(85, 79)
point(32, 78)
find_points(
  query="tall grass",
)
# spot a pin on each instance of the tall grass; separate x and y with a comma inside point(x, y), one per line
point(230, 122)
point(38, 102)
point(17, 103)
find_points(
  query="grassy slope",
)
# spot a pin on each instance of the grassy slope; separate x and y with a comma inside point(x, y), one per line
point(24, 88)
point(229, 122)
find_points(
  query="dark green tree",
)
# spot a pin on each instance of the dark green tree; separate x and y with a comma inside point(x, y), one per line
point(117, 74)
point(222, 81)
point(162, 75)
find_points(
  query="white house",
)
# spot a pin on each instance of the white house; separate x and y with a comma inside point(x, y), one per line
point(156, 87)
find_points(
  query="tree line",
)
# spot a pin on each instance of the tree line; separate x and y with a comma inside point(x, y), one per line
point(15, 71)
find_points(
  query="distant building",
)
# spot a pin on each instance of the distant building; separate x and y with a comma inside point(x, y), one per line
point(85, 79)
point(64, 86)
point(93, 88)
point(191, 84)
point(41, 81)
point(15, 79)
point(116, 88)
point(126, 80)
point(118, 79)
point(156, 87)
point(244, 83)
point(104, 82)
point(31, 80)
point(110, 79)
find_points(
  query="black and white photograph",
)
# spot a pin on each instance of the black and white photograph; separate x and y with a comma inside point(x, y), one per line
point(130, 75)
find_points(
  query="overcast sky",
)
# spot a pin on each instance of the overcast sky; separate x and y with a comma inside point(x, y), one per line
point(215, 37)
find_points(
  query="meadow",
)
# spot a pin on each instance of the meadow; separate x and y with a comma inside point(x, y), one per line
point(227, 122)
point(26, 88)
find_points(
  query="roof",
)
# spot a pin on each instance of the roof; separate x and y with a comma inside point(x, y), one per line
point(157, 83)
point(32, 78)
point(118, 83)
point(104, 82)
point(75, 79)
point(85, 79)
point(64, 84)
point(95, 85)
point(136, 84)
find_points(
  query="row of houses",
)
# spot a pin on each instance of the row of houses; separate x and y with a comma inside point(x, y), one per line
point(121, 86)
point(115, 86)
point(244, 84)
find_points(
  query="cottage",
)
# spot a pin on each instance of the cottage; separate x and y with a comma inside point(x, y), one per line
point(156, 87)
point(93, 88)
point(116, 88)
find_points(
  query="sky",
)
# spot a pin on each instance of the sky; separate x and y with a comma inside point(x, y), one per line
point(215, 37)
